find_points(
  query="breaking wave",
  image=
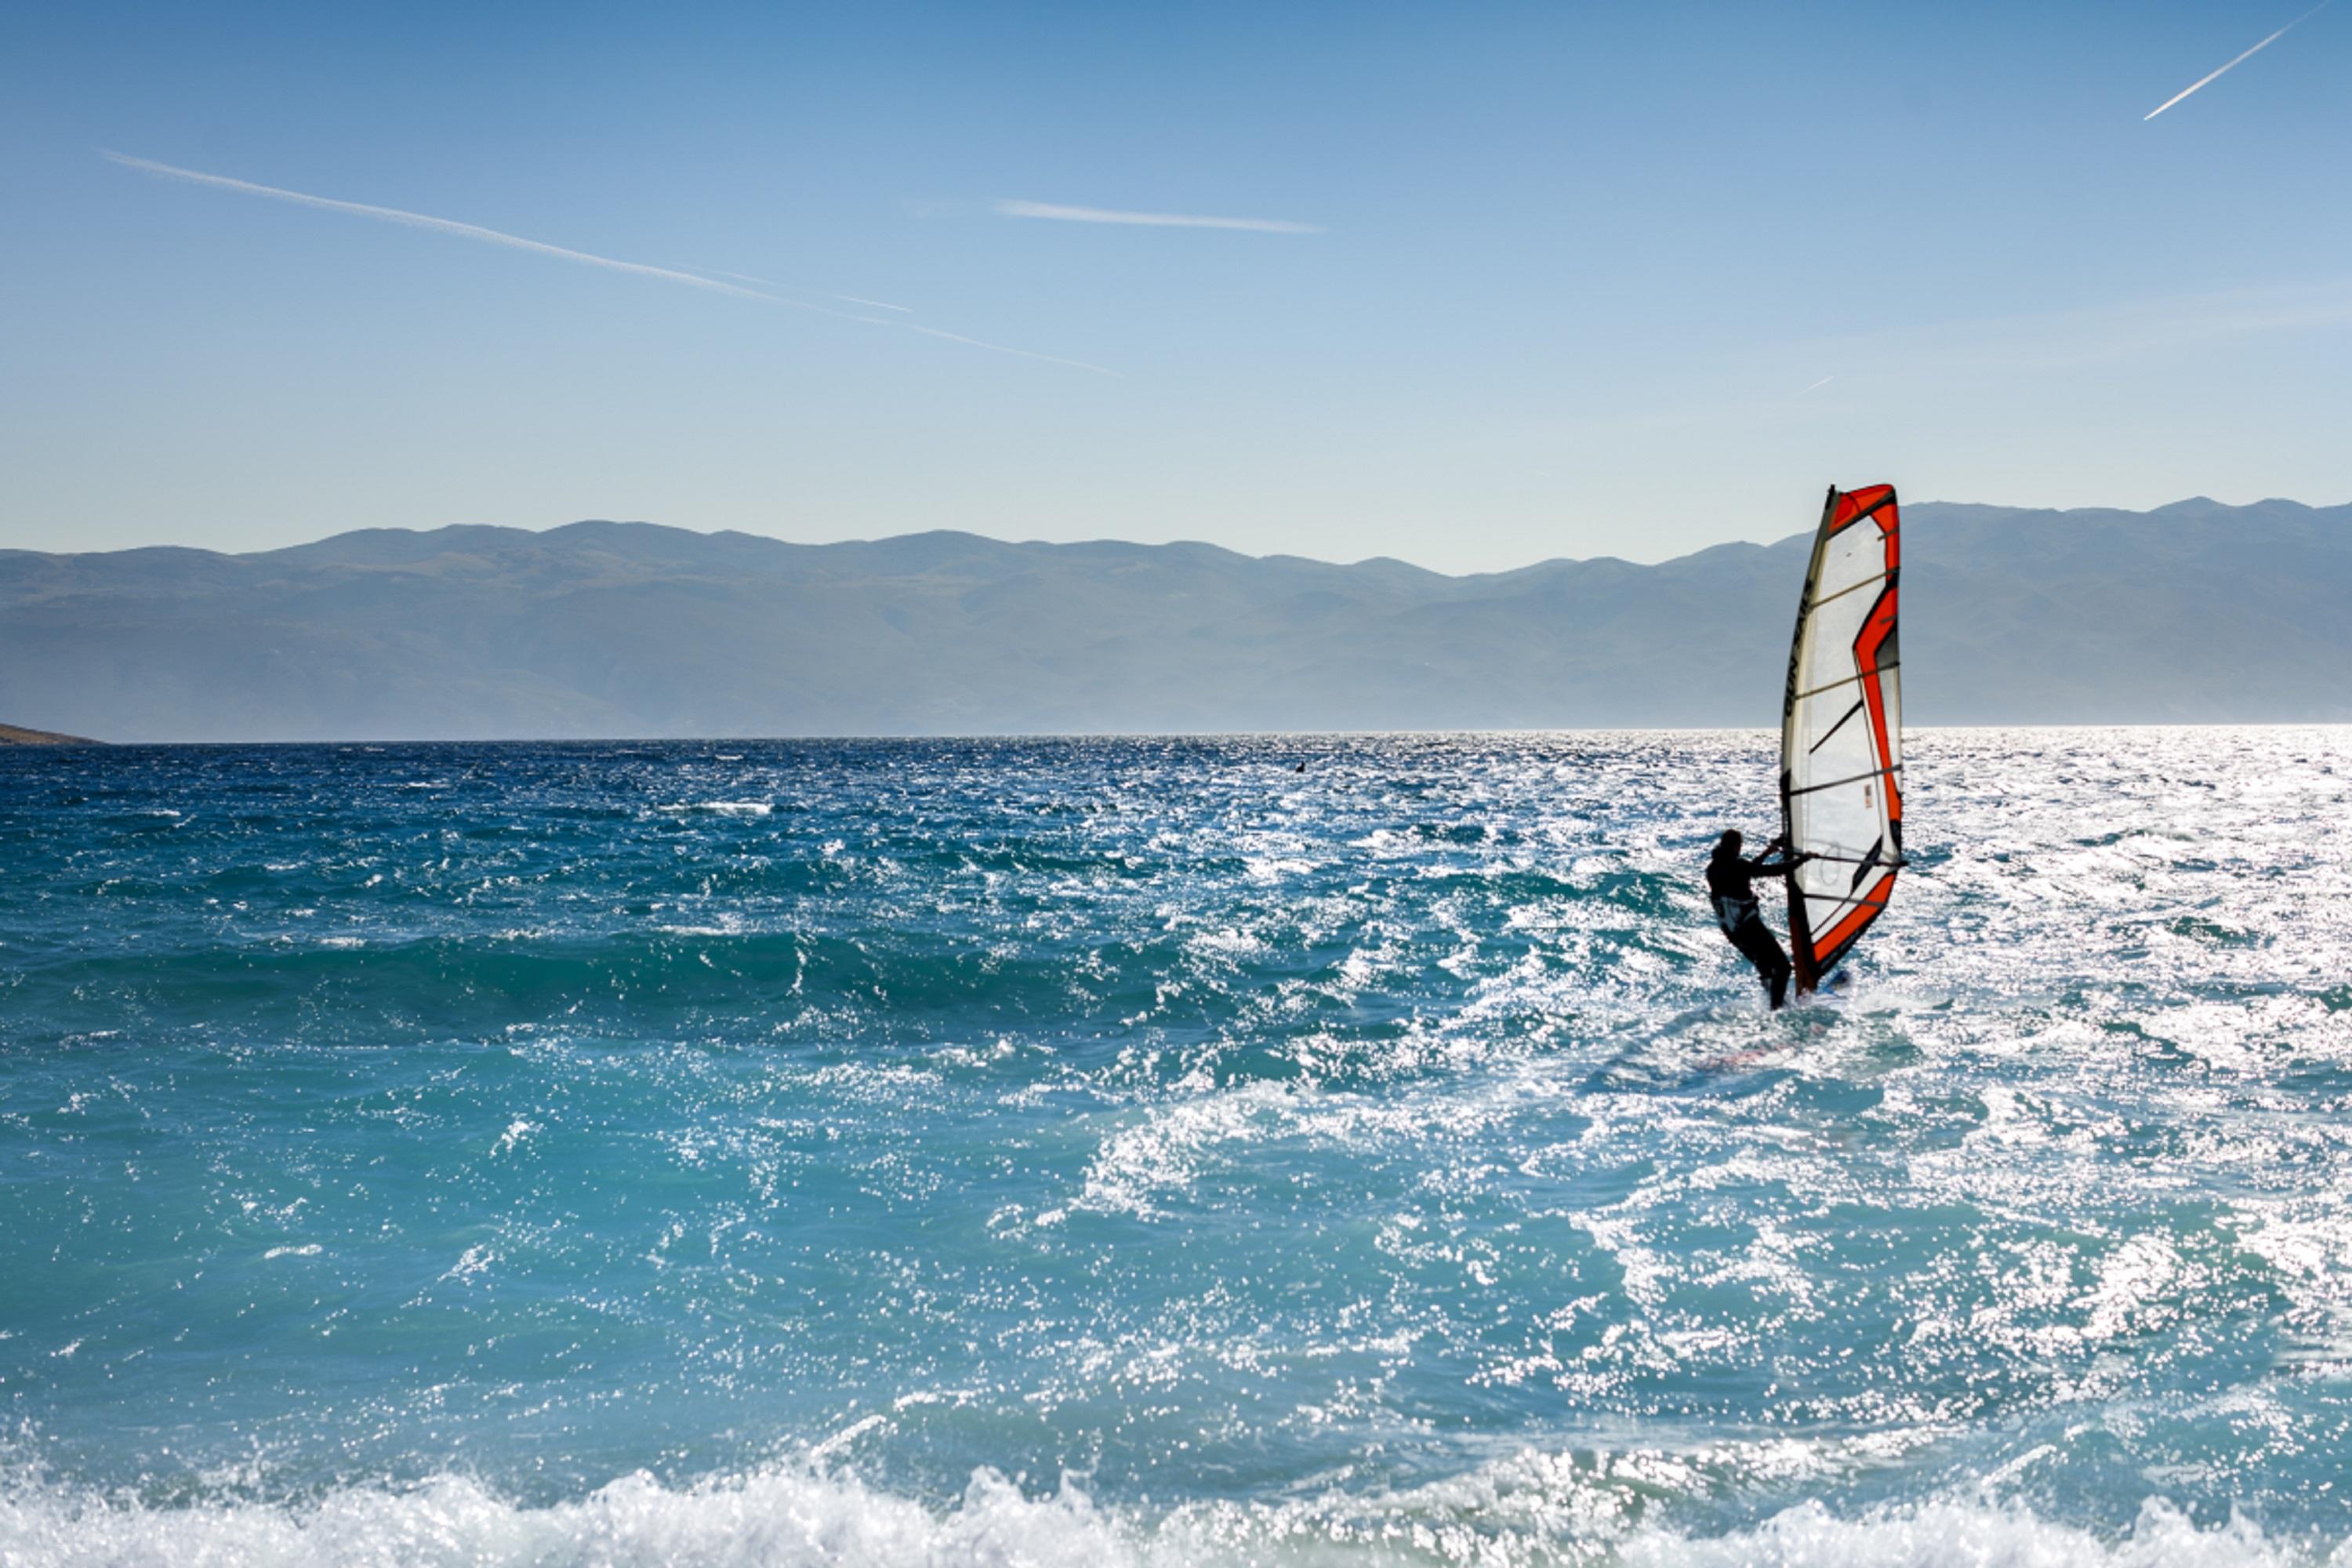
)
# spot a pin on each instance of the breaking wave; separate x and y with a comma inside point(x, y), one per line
point(795, 1516)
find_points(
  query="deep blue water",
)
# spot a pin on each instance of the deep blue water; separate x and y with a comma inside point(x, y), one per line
point(1095, 1151)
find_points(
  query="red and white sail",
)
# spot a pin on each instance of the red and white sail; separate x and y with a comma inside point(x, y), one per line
point(1841, 733)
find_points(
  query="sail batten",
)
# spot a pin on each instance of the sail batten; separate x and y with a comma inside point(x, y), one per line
point(1844, 680)
point(1842, 732)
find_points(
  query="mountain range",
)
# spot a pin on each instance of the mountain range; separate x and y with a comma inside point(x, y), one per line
point(2194, 612)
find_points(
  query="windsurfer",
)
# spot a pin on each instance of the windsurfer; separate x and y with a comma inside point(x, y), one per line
point(1730, 883)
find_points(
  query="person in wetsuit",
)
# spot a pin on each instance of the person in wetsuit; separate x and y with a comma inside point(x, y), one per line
point(1730, 884)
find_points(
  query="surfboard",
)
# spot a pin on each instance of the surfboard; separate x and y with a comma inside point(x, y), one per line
point(1841, 733)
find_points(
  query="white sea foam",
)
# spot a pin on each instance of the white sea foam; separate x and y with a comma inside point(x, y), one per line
point(719, 807)
point(792, 1516)
point(1958, 1536)
point(775, 1519)
point(473, 1261)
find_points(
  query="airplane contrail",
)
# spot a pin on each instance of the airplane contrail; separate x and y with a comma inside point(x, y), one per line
point(438, 225)
point(845, 299)
point(983, 344)
point(561, 252)
point(743, 277)
point(1819, 384)
point(1150, 220)
point(2249, 53)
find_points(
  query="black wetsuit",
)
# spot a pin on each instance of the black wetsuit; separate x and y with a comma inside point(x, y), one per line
point(1729, 882)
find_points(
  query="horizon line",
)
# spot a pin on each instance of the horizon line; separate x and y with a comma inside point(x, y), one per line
point(65, 743)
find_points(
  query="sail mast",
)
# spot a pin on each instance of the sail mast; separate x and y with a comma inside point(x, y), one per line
point(1801, 944)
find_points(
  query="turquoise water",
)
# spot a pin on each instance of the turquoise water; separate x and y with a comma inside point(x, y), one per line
point(1135, 1151)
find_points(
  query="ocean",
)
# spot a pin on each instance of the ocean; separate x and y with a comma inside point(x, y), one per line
point(1110, 1151)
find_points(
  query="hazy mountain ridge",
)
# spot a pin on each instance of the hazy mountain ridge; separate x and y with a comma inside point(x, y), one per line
point(17, 736)
point(2193, 612)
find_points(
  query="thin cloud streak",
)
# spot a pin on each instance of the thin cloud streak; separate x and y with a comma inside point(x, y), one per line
point(1150, 220)
point(437, 225)
point(1000, 348)
point(2241, 60)
point(845, 299)
point(1819, 384)
point(564, 253)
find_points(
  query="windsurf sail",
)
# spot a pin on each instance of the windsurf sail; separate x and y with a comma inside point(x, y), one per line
point(1841, 733)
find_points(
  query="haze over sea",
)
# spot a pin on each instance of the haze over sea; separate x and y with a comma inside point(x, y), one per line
point(1132, 1151)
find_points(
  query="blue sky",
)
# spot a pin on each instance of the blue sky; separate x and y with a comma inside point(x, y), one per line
point(1556, 281)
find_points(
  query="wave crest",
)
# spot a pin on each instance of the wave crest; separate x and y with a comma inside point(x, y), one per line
point(796, 1517)
point(778, 1518)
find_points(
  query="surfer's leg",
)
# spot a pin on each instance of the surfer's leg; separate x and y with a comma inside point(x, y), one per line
point(1776, 976)
point(1757, 943)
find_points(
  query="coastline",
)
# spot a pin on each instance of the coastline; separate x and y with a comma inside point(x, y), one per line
point(17, 736)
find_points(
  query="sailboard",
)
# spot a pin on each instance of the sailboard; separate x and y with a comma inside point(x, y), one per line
point(1841, 733)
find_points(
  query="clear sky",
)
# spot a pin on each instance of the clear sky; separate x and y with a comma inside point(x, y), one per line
point(1518, 281)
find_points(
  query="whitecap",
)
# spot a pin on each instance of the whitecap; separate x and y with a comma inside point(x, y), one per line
point(1963, 1535)
point(472, 1261)
point(784, 1517)
point(1533, 1509)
